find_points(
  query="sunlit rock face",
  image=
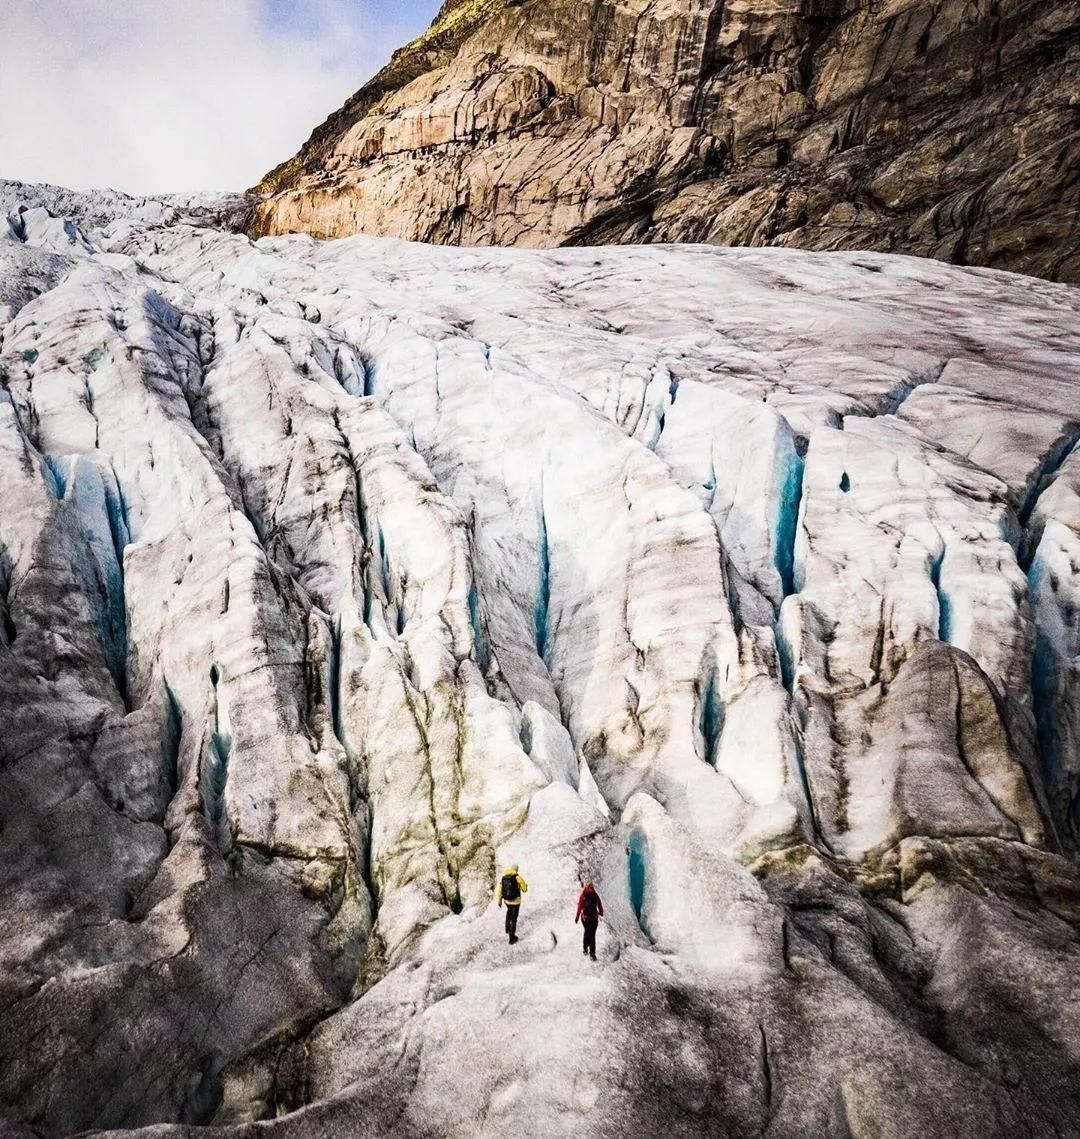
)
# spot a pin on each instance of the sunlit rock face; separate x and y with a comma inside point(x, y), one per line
point(940, 128)
point(336, 577)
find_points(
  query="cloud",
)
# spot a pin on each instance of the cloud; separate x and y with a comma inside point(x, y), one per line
point(171, 95)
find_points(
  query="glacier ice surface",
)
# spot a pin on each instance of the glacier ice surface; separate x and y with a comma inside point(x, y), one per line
point(336, 576)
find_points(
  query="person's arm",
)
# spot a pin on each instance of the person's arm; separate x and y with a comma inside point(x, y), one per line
point(599, 907)
point(523, 884)
point(498, 893)
point(580, 905)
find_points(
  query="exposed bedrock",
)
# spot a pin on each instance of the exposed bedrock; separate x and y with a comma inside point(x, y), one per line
point(942, 129)
point(336, 577)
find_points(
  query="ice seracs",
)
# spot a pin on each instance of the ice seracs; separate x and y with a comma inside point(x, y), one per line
point(334, 577)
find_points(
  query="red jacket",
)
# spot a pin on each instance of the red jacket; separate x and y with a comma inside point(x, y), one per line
point(581, 903)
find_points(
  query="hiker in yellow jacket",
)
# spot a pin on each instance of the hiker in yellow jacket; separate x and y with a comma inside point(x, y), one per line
point(511, 887)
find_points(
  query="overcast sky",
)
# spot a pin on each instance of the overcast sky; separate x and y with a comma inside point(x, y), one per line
point(167, 95)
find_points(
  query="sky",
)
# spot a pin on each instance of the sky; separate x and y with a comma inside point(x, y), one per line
point(157, 96)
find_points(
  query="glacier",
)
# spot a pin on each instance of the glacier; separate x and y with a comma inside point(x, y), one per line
point(335, 576)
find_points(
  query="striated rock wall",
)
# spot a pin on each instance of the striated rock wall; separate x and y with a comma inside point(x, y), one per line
point(937, 127)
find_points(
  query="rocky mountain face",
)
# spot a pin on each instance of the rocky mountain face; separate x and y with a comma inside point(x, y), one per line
point(334, 577)
point(936, 127)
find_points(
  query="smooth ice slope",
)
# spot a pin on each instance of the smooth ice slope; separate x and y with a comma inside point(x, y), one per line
point(334, 577)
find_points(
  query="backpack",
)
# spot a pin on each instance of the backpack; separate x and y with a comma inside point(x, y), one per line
point(511, 891)
point(589, 904)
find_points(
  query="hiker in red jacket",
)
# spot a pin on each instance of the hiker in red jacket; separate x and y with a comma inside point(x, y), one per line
point(589, 912)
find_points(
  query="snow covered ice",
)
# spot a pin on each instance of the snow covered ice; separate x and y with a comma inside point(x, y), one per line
point(334, 577)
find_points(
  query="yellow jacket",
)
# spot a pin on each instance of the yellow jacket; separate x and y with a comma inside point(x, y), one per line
point(523, 886)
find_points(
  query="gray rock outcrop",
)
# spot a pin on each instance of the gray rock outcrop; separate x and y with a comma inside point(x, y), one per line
point(943, 129)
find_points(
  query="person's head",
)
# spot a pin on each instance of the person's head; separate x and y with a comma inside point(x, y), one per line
point(588, 885)
point(512, 869)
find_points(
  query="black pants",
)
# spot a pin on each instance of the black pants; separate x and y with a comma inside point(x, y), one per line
point(588, 943)
point(511, 921)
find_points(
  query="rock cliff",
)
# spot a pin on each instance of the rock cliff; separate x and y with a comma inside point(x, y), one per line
point(336, 576)
point(936, 127)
